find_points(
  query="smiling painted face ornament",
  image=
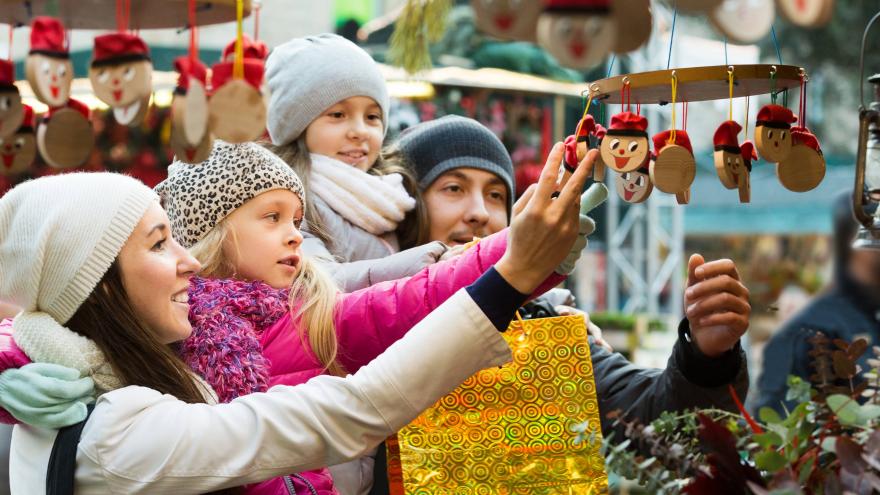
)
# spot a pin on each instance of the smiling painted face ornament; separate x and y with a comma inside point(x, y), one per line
point(48, 68)
point(578, 33)
point(773, 132)
point(121, 74)
point(17, 152)
point(625, 145)
point(728, 155)
point(635, 186)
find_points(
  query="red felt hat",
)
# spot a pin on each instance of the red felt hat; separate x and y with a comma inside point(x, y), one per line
point(119, 48)
point(574, 6)
point(775, 116)
point(250, 48)
point(661, 139)
point(7, 75)
point(28, 122)
point(570, 158)
point(748, 153)
point(725, 138)
point(600, 132)
point(48, 37)
point(190, 68)
point(587, 127)
point(628, 124)
point(802, 135)
point(221, 73)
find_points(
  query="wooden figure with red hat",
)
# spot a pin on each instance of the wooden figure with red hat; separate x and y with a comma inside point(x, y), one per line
point(507, 19)
point(634, 186)
point(48, 68)
point(19, 150)
point(674, 168)
point(744, 180)
point(599, 165)
point(121, 74)
point(11, 109)
point(728, 155)
point(579, 33)
point(625, 145)
point(64, 136)
point(190, 139)
point(577, 145)
point(773, 132)
point(804, 167)
point(236, 108)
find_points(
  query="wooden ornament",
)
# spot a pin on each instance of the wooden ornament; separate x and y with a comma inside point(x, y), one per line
point(508, 19)
point(237, 112)
point(773, 143)
point(17, 152)
point(599, 169)
point(804, 167)
point(625, 146)
point(697, 6)
point(124, 84)
point(132, 115)
point(729, 166)
point(674, 168)
point(577, 40)
point(65, 138)
point(50, 78)
point(807, 13)
point(11, 111)
point(743, 21)
point(187, 153)
point(634, 186)
point(634, 22)
point(745, 187)
point(189, 114)
point(683, 197)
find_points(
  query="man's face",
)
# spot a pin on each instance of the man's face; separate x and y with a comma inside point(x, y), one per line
point(464, 203)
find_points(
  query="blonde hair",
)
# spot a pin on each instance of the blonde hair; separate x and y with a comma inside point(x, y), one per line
point(312, 294)
point(412, 231)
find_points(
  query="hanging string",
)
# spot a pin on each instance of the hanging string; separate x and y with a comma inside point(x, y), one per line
point(193, 31)
point(611, 65)
point(773, 85)
point(674, 84)
point(725, 51)
point(9, 54)
point(747, 117)
point(123, 15)
point(802, 108)
point(638, 108)
point(684, 117)
point(730, 100)
point(776, 44)
point(671, 36)
point(51, 8)
point(625, 96)
point(577, 131)
point(257, 6)
point(601, 114)
point(238, 63)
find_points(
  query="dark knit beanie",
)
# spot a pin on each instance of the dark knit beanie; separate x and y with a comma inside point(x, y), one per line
point(438, 146)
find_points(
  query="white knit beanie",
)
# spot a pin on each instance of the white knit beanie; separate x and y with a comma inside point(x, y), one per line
point(58, 237)
point(309, 75)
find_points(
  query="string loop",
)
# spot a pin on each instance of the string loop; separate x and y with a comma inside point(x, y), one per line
point(238, 63)
point(730, 100)
point(674, 84)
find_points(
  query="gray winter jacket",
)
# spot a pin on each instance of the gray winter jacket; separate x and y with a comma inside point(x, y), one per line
point(357, 259)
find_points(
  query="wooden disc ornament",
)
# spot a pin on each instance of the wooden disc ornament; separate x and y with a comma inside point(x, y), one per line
point(11, 109)
point(683, 197)
point(625, 146)
point(804, 167)
point(578, 33)
point(508, 19)
point(728, 157)
point(634, 23)
point(121, 72)
point(674, 168)
point(48, 68)
point(634, 186)
point(188, 153)
point(744, 21)
point(807, 13)
point(65, 137)
point(189, 105)
point(237, 109)
point(18, 150)
point(773, 132)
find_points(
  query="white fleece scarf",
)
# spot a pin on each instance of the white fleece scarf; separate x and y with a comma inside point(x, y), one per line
point(375, 203)
point(44, 340)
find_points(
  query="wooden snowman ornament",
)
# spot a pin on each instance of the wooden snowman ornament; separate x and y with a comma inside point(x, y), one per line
point(48, 68)
point(804, 167)
point(579, 33)
point(635, 186)
point(728, 156)
point(674, 168)
point(19, 149)
point(625, 145)
point(121, 74)
point(189, 112)
point(236, 108)
point(507, 19)
point(773, 132)
point(64, 136)
point(11, 109)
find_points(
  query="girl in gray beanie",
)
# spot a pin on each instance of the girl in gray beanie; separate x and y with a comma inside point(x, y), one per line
point(327, 118)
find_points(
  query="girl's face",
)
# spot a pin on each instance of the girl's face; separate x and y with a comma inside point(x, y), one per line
point(264, 241)
point(465, 203)
point(350, 131)
point(155, 273)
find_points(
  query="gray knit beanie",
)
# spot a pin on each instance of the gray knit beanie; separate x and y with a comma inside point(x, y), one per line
point(197, 197)
point(438, 146)
point(309, 75)
point(60, 234)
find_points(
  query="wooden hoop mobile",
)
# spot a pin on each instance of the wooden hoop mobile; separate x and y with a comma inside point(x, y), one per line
point(696, 83)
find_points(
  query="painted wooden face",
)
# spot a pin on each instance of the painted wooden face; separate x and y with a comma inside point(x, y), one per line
point(508, 19)
point(11, 112)
point(624, 153)
point(730, 167)
point(50, 78)
point(577, 41)
point(124, 84)
point(17, 153)
point(634, 187)
point(772, 143)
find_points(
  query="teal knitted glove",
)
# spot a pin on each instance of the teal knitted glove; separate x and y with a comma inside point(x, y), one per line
point(45, 394)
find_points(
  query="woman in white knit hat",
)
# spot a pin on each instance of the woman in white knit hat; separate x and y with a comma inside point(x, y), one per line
point(103, 289)
point(327, 118)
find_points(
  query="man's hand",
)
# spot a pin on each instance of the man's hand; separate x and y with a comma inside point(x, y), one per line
point(716, 305)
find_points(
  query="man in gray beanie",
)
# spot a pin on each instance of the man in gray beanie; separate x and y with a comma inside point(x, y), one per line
point(465, 175)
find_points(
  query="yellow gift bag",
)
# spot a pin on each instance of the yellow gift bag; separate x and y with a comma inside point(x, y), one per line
point(508, 430)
